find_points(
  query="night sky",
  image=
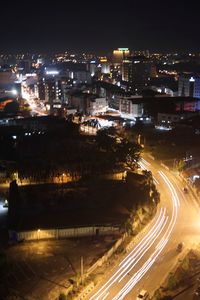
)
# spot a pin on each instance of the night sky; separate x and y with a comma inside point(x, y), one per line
point(99, 25)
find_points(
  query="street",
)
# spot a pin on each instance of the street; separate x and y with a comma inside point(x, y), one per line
point(154, 255)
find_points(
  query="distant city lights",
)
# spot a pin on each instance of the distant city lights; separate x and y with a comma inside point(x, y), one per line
point(14, 92)
point(160, 127)
point(52, 72)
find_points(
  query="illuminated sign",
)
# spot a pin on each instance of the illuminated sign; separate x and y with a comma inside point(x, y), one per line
point(103, 59)
point(123, 49)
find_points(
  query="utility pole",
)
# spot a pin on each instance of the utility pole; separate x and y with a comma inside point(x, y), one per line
point(139, 139)
point(81, 269)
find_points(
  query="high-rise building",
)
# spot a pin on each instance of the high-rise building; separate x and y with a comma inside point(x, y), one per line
point(105, 65)
point(81, 77)
point(120, 62)
point(141, 53)
point(92, 67)
point(189, 85)
point(41, 89)
point(139, 73)
point(53, 91)
point(126, 66)
point(120, 54)
point(24, 65)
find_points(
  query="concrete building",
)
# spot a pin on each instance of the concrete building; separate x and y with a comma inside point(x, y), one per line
point(119, 55)
point(105, 68)
point(167, 118)
point(41, 89)
point(88, 104)
point(105, 65)
point(189, 86)
point(126, 69)
point(139, 73)
point(98, 106)
point(53, 91)
point(24, 65)
point(7, 77)
point(141, 53)
point(80, 77)
point(119, 65)
point(131, 107)
point(9, 84)
point(92, 67)
point(81, 102)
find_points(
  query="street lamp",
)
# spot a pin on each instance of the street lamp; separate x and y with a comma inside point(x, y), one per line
point(38, 234)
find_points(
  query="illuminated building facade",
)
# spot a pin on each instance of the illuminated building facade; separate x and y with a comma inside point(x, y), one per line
point(120, 54)
point(131, 107)
point(53, 91)
point(105, 65)
point(189, 86)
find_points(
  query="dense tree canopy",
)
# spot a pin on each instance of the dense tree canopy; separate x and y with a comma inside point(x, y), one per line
point(11, 107)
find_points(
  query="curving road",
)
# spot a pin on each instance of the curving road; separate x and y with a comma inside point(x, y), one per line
point(154, 254)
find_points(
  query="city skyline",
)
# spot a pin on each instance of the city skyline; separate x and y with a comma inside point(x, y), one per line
point(99, 27)
point(100, 150)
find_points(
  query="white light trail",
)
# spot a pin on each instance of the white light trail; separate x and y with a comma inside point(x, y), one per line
point(147, 242)
point(155, 180)
point(105, 296)
point(142, 166)
point(150, 245)
point(146, 266)
point(162, 212)
point(140, 248)
point(145, 162)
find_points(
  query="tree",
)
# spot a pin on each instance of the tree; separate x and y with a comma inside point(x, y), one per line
point(62, 297)
point(179, 165)
point(149, 93)
point(172, 282)
point(120, 152)
point(105, 141)
point(11, 107)
point(128, 153)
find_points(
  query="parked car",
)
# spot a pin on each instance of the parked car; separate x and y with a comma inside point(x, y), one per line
point(143, 295)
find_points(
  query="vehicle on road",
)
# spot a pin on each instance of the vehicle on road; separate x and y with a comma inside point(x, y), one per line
point(179, 247)
point(197, 292)
point(143, 295)
point(5, 203)
point(185, 190)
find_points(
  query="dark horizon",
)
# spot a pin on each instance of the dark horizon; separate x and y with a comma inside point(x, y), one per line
point(99, 27)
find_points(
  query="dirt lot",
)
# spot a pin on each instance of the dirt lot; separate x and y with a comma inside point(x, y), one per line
point(59, 206)
point(38, 270)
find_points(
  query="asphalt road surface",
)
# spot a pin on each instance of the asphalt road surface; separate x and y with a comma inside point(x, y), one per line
point(154, 255)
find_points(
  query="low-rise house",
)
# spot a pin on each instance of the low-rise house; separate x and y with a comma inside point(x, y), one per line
point(131, 107)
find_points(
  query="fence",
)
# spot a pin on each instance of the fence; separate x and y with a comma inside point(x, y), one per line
point(106, 256)
point(85, 291)
point(97, 264)
point(41, 234)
